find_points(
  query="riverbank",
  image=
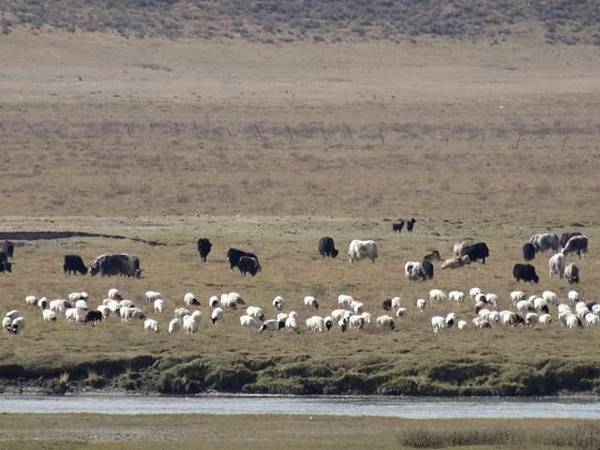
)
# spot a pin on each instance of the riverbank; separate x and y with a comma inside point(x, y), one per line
point(287, 431)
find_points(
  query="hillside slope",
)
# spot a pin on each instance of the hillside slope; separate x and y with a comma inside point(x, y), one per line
point(561, 21)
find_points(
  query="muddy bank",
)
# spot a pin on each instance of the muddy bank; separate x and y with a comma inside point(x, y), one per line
point(151, 374)
point(50, 235)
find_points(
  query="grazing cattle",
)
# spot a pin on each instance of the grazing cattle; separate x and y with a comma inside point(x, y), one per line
point(525, 272)
point(410, 224)
point(564, 238)
point(528, 252)
point(93, 317)
point(362, 249)
point(234, 255)
point(456, 262)
point(415, 271)
point(545, 241)
point(249, 265)
point(397, 227)
point(327, 247)
point(203, 246)
point(5, 266)
point(433, 256)
point(427, 269)
point(577, 244)
point(477, 251)
point(74, 264)
point(120, 264)
point(8, 248)
point(572, 273)
point(556, 265)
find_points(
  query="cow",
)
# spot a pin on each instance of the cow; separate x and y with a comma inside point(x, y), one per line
point(564, 238)
point(5, 266)
point(410, 225)
point(234, 255)
point(327, 247)
point(8, 248)
point(414, 271)
point(74, 264)
point(204, 246)
point(577, 244)
point(120, 264)
point(528, 252)
point(362, 249)
point(572, 273)
point(249, 265)
point(427, 267)
point(525, 272)
point(477, 251)
point(433, 256)
point(397, 227)
point(545, 241)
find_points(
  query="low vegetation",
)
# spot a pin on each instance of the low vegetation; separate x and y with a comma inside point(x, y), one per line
point(332, 21)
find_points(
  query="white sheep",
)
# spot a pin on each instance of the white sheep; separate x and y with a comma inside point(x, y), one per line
point(75, 315)
point(556, 265)
point(311, 303)
point(345, 301)
point(74, 296)
point(450, 319)
point(175, 325)
point(114, 306)
point(152, 295)
point(48, 315)
point(282, 316)
point(232, 300)
point(114, 294)
point(43, 303)
point(316, 324)
point(591, 319)
point(31, 300)
point(293, 314)
point(6, 324)
point(104, 310)
point(191, 324)
point(550, 297)
point(181, 312)
point(127, 304)
point(271, 325)
point(462, 324)
point(278, 303)
point(401, 313)
point(421, 303)
point(291, 323)
point(18, 325)
point(436, 295)
point(545, 319)
point(214, 302)
point(58, 305)
point(540, 305)
point(81, 304)
point(573, 296)
point(532, 318)
point(216, 315)
point(438, 323)
point(516, 296)
point(159, 305)
point(474, 292)
point(357, 322)
point(480, 323)
point(255, 312)
point(456, 296)
point(396, 302)
point(151, 325)
point(248, 322)
point(328, 322)
point(386, 322)
point(359, 308)
point(190, 299)
point(368, 319)
point(492, 299)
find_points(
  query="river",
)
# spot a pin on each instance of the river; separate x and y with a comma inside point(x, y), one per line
point(405, 407)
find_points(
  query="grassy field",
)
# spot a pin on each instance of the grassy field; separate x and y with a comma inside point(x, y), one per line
point(268, 148)
point(296, 432)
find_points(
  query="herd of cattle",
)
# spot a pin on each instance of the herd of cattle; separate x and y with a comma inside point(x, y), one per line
point(349, 313)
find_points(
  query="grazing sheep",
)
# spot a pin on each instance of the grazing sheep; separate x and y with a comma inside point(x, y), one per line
point(248, 322)
point(337, 314)
point(75, 315)
point(216, 315)
point(572, 321)
point(311, 303)
point(401, 313)
point(345, 301)
point(180, 313)
point(474, 292)
point(255, 312)
point(58, 306)
point(396, 302)
point(438, 323)
point(74, 296)
point(516, 296)
point(550, 297)
point(359, 308)
point(272, 325)
point(159, 305)
point(540, 305)
point(31, 300)
point(545, 319)
point(282, 316)
point(456, 296)
point(316, 324)
point(278, 303)
point(43, 303)
point(343, 324)
point(494, 317)
point(104, 310)
point(328, 322)
point(357, 322)
point(480, 323)
point(462, 324)
point(450, 320)
point(531, 318)
point(81, 304)
point(556, 265)
point(436, 295)
point(214, 302)
point(127, 304)
point(573, 296)
point(151, 325)
point(175, 325)
point(6, 324)
point(191, 323)
point(114, 306)
point(152, 295)
point(291, 323)
point(18, 325)
point(190, 299)
point(572, 273)
point(386, 322)
point(114, 294)
point(591, 319)
point(492, 299)
point(421, 303)
point(524, 306)
point(232, 300)
point(49, 315)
